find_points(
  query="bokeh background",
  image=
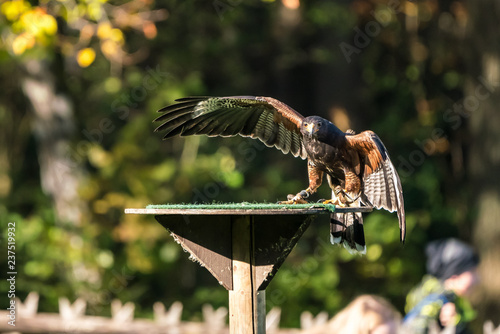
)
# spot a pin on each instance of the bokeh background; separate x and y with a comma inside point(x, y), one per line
point(80, 85)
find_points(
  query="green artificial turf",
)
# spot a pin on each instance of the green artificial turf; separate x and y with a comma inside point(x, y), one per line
point(243, 205)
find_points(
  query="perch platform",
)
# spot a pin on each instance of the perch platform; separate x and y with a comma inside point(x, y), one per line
point(242, 245)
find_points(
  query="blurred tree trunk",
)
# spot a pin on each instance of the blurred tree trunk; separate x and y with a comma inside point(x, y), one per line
point(53, 126)
point(482, 100)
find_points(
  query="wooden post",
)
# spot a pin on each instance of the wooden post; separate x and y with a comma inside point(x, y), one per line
point(260, 312)
point(243, 301)
point(247, 305)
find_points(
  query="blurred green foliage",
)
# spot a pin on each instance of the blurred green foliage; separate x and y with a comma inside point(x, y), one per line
point(398, 85)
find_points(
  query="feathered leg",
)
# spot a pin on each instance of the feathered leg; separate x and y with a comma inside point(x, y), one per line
point(315, 179)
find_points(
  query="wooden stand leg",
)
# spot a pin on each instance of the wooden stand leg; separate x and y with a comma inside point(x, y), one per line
point(247, 305)
point(244, 253)
point(260, 312)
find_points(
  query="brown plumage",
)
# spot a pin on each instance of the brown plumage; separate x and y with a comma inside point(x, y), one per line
point(358, 167)
point(269, 120)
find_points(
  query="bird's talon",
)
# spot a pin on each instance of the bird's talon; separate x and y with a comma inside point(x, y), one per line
point(296, 199)
point(335, 202)
point(289, 199)
point(301, 201)
point(303, 194)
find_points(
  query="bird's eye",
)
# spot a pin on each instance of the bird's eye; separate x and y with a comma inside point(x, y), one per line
point(320, 124)
point(305, 124)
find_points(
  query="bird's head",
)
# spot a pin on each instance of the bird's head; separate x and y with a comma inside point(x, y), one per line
point(317, 127)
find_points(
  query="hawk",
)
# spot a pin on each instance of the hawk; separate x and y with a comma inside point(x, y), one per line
point(357, 166)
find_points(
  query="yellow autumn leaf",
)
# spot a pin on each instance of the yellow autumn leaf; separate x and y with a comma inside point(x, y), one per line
point(22, 43)
point(85, 57)
point(13, 9)
point(95, 11)
point(49, 24)
point(116, 35)
point(104, 30)
point(81, 10)
point(38, 22)
point(29, 22)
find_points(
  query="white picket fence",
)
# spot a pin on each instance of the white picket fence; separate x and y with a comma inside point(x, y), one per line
point(72, 319)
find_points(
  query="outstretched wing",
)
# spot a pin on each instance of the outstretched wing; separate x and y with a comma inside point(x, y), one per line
point(269, 120)
point(382, 186)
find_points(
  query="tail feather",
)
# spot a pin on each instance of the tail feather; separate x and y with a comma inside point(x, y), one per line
point(347, 229)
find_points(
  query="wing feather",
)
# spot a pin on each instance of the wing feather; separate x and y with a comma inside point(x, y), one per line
point(264, 118)
point(205, 125)
point(382, 186)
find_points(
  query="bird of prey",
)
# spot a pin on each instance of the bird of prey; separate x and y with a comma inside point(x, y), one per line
point(357, 166)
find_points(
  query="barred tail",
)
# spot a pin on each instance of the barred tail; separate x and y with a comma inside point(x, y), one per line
point(347, 229)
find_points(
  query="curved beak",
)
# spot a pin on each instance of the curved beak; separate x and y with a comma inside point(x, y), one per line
point(311, 128)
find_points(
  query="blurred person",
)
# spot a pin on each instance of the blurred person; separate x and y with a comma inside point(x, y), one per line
point(367, 314)
point(439, 301)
